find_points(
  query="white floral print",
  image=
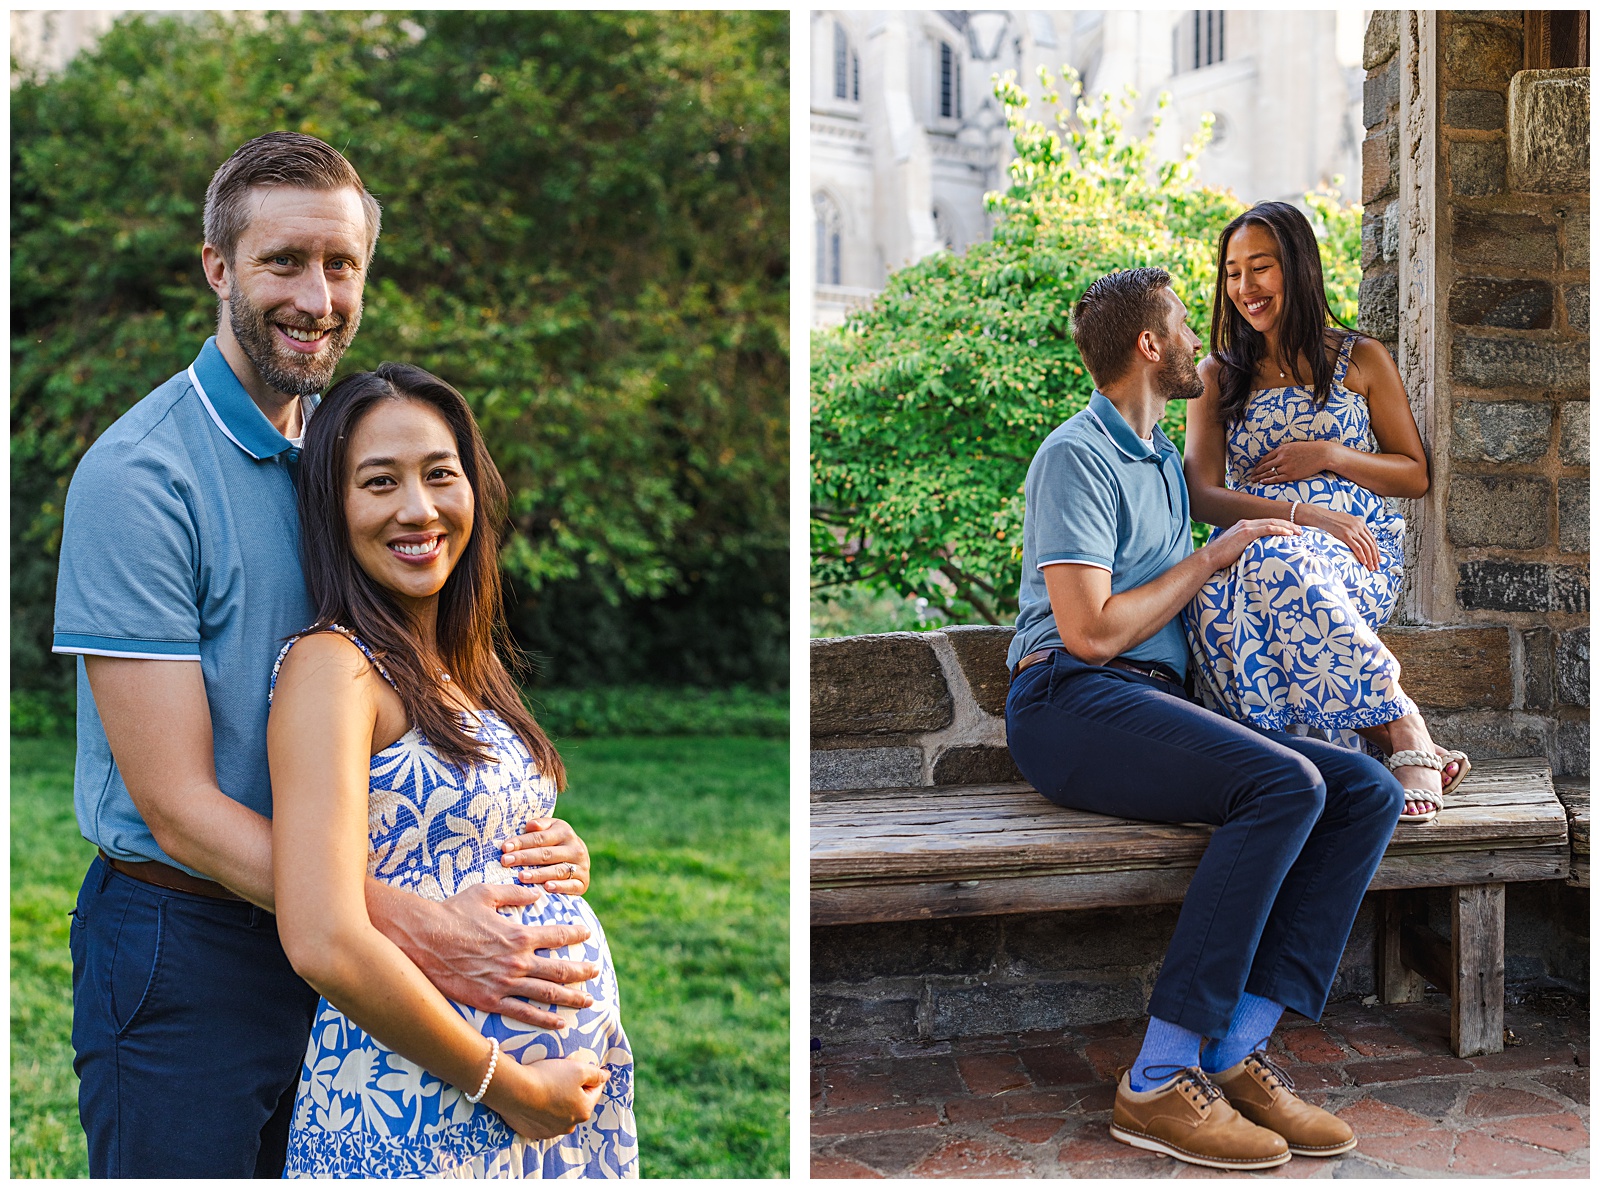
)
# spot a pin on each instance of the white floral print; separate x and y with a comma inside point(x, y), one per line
point(362, 1110)
point(1288, 635)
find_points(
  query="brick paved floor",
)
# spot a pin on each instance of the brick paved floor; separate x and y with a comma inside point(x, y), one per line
point(1038, 1104)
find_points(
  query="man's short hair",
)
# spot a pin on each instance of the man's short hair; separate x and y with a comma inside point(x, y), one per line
point(277, 159)
point(1112, 314)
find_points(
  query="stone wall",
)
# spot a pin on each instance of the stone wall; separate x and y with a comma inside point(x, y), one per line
point(1475, 255)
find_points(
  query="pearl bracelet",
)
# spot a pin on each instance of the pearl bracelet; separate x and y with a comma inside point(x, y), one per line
point(1292, 508)
point(494, 1059)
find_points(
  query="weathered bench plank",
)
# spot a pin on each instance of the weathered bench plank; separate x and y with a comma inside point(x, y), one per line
point(930, 852)
point(1574, 794)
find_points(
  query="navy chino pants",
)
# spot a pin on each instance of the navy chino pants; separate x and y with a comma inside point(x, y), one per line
point(1301, 826)
point(188, 1027)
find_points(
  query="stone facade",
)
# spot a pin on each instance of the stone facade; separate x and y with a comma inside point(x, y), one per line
point(1475, 247)
point(900, 165)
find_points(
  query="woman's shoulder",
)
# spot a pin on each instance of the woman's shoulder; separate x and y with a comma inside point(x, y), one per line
point(1368, 358)
point(327, 657)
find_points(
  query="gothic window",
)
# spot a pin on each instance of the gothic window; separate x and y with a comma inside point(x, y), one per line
point(829, 236)
point(1199, 40)
point(949, 82)
point(846, 66)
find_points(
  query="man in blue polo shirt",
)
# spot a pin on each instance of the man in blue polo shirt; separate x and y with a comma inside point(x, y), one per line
point(1098, 719)
point(179, 580)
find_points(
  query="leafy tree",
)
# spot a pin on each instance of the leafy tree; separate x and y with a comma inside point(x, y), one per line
point(585, 230)
point(927, 408)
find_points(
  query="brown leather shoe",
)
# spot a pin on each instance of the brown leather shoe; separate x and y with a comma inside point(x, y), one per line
point(1190, 1119)
point(1264, 1094)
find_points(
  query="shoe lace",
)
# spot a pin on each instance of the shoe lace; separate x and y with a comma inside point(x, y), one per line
point(1193, 1075)
point(1272, 1067)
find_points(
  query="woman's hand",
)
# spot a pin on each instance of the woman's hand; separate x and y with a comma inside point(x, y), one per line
point(544, 1099)
point(1227, 546)
point(1352, 530)
point(549, 853)
point(1292, 461)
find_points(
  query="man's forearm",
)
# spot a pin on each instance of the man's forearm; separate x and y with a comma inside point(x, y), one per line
point(218, 837)
point(1132, 617)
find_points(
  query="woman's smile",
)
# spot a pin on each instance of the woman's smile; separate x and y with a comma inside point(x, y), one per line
point(408, 502)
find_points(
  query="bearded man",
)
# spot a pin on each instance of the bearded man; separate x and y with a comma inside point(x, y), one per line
point(180, 578)
point(1098, 718)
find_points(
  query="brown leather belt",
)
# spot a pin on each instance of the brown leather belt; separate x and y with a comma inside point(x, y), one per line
point(1143, 668)
point(162, 876)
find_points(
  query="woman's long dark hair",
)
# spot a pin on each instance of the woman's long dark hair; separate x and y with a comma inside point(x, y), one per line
point(471, 617)
point(1302, 322)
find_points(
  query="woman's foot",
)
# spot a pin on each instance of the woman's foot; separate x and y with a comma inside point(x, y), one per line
point(1411, 734)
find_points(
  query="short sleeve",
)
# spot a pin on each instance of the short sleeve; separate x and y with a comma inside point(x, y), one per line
point(1074, 498)
point(129, 557)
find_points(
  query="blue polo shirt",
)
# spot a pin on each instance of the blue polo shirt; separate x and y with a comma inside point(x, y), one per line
point(181, 542)
point(1099, 495)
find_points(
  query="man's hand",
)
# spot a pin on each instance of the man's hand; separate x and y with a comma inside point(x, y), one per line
point(488, 961)
point(549, 853)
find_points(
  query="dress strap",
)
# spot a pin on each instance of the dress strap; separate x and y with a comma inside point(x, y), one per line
point(348, 635)
point(1341, 362)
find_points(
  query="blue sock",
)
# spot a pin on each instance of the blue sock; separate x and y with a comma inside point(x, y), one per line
point(1167, 1049)
point(1253, 1021)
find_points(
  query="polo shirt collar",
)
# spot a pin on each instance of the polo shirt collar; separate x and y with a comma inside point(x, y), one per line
point(1120, 432)
point(230, 406)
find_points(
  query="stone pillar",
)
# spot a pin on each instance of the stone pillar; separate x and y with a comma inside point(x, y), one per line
point(902, 160)
point(1475, 274)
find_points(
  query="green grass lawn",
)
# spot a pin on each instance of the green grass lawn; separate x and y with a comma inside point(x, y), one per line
point(691, 879)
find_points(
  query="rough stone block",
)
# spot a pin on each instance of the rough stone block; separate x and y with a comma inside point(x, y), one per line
point(1039, 1005)
point(1572, 747)
point(1502, 510)
point(974, 764)
point(1454, 668)
point(1503, 240)
point(877, 1015)
point(1481, 55)
point(1575, 433)
point(1480, 111)
point(1132, 938)
point(1569, 589)
point(876, 684)
point(1499, 430)
point(854, 954)
point(1519, 363)
point(1577, 299)
point(1572, 667)
point(1538, 668)
point(1547, 122)
point(866, 768)
point(1504, 586)
point(1371, 238)
point(1572, 515)
point(1576, 253)
point(1382, 39)
point(1377, 166)
point(1380, 93)
point(1378, 306)
point(981, 652)
point(1477, 168)
point(1515, 305)
point(1491, 734)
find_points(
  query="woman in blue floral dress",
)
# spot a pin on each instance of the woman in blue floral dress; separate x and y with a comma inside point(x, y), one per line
point(1287, 636)
point(401, 750)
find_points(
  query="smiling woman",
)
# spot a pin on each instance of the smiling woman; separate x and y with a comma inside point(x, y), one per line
point(400, 750)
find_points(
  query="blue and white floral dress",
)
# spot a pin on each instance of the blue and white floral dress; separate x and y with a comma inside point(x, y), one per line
point(361, 1109)
point(1288, 635)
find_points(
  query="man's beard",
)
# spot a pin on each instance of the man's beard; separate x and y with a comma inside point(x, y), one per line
point(1178, 378)
point(284, 370)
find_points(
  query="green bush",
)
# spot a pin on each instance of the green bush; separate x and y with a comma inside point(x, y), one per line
point(585, 230)
point(927, 408)
point(656, 710)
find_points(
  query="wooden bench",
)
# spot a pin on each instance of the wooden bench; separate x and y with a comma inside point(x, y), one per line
point(907, 854)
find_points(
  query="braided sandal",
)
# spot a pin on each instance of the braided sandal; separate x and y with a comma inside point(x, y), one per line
point(1463, 766)
point(1421, 759)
